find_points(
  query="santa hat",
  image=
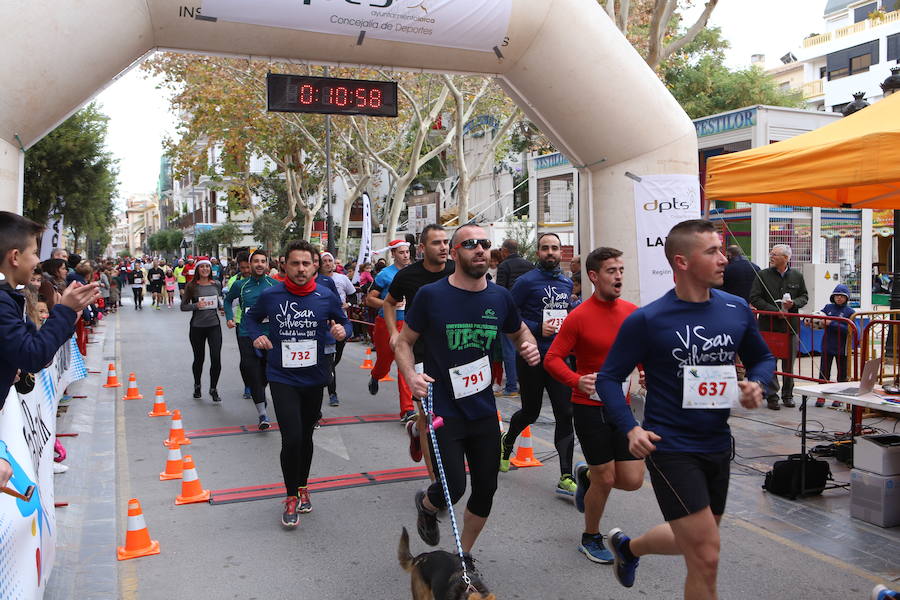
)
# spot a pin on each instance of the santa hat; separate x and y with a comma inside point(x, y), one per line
point(392, 245)
point(202, 261)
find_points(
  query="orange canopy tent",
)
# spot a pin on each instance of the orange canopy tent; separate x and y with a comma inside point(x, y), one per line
point(851, 163)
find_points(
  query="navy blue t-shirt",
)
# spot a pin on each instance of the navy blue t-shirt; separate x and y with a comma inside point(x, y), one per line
point(668, 336)
point(296, 319)
point(538, 291)
point(460, 327)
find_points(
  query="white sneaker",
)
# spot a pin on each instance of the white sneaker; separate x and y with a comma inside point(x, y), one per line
point(496, 388)
point(59, 468)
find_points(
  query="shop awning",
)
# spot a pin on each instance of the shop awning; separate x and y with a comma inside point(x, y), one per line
point(851, 163)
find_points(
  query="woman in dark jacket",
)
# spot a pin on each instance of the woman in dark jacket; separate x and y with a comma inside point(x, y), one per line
point(203, 297)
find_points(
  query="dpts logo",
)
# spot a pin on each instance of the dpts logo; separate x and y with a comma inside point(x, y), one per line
point(674, 203)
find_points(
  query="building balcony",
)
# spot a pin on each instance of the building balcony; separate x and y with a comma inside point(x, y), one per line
point(813, 89)
point(849, 30)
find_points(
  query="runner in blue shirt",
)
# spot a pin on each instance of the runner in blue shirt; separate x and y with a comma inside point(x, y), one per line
point(461, 319)
point(687, 342)
point(300, 314)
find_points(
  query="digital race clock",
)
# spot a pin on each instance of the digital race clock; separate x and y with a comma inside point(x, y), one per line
point(330, 95)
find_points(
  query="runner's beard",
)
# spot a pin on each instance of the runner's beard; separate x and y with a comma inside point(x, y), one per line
point(473, 271)
point(549, 263)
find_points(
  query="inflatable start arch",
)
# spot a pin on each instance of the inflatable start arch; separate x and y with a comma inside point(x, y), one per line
point(563, 61)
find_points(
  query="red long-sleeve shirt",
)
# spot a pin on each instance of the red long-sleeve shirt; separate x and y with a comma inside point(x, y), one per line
point(589, 332)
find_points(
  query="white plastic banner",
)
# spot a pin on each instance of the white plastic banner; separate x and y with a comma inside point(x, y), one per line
point(660, 201)
point(365, 243)
point(467, 24)
point(28, 429)
point(51, 237)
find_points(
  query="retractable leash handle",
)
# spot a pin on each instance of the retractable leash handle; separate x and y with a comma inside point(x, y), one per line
point(435, 422)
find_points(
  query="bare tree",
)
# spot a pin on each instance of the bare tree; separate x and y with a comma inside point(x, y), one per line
point(462, 116)
point(661, 42)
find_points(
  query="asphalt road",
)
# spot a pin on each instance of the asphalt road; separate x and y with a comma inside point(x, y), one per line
point(346, 547)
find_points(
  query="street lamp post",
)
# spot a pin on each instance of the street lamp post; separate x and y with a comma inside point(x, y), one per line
point(888, 87)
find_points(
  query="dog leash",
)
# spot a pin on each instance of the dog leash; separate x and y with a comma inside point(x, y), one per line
point(440, 465)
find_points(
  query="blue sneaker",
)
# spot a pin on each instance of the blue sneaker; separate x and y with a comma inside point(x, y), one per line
point(584, 482)
point(625, 568)
point(879, 592)
point(592, 547)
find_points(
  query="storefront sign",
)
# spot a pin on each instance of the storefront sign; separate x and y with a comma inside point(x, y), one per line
point(728, 122)
point(28, 429)
point(660, 201)
point(548, 161)
point(470, 25)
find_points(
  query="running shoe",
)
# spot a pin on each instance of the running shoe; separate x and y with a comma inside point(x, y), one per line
point(592, 547)
point(509, 393)
point(583, 483)
point(214, 394)
point(305, 504)
point(408, 416)
point(59, 468)
point(504, 454)
point(625, 567)
point(879, 592)
point(247, 394)
point(290, 518)
point(264, 422)
point(333, 400)
point(566, 485)
point(373, 386)
point(426, 522)
point(197, 393)
point(318, 424)
point(415, 444)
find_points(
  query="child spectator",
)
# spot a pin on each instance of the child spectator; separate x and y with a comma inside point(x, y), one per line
point(834, 338)
point(25, 347)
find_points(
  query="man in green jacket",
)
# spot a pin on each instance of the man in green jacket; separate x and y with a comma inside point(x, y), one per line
point(253, 363)
point(782, 289)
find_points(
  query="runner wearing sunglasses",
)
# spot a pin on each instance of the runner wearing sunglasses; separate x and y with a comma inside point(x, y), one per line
point(460, 319)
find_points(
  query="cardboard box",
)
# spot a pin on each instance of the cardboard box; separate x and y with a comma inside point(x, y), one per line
point(875, 498)
point(879, 454)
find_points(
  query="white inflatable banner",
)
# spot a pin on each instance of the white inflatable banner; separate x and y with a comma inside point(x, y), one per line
point(28, 429)
point(466, 24)
point(660, 201)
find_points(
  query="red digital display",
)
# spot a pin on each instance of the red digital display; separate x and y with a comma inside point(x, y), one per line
point(330, 95)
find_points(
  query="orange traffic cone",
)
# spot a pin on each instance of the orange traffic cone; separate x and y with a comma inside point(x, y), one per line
point(525, 452)
point(112, 380)
point(132, 392)
point(367, 363)
point(500, 420)
point(176, 432)
point(191, 490)
point(137, 538)
point(387, 376)
point(174, 464)
point(159, 405)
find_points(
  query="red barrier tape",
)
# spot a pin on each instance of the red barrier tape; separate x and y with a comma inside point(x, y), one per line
point(326, 422)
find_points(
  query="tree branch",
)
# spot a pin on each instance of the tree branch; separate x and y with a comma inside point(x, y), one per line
point(691, 33)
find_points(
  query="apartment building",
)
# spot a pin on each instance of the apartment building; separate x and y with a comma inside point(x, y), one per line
point(859, 44)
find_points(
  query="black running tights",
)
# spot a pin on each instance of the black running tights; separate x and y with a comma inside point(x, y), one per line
point(201, 336)
point(335, 359)
point(532, 383)
point(477, 442)
point(297, 410)
point(253, 369)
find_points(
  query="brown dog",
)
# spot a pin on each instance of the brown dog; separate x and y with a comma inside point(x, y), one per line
point(438, 575)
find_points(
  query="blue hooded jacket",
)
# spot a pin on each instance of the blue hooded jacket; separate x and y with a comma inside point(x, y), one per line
point(834, 340)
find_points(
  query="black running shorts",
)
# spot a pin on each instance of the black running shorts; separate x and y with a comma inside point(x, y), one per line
point(685, 483)
point(600, 441)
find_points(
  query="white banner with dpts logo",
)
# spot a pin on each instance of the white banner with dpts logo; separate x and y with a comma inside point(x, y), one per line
point(660, 201)
point(467, 24)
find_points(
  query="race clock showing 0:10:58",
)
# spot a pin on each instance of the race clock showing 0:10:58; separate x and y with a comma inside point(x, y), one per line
point(331, 95)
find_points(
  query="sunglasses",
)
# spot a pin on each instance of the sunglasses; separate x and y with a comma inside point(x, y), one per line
point(471, 244)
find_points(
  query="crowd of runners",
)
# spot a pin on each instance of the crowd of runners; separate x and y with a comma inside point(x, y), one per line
point(441, 317)
point(443, 306)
